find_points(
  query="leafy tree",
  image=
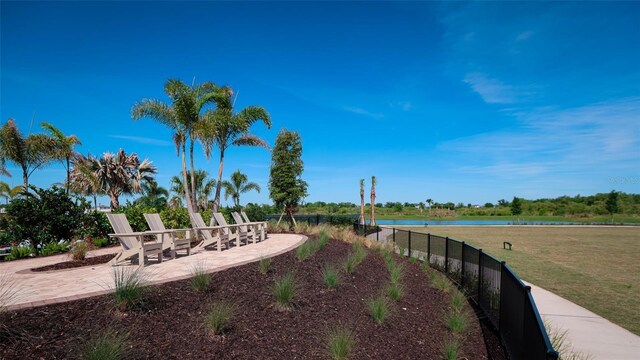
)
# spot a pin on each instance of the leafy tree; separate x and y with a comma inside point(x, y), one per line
point(503, 202)
point(516, 207)
point(223, 127)
point(63, 148)
point(181, 117)
point(203, 188)
point(29, 153)
point(286, 186)
point(488, 205)
point(373, 200)
point(362, 202)
point(421, 207)
point(612, 203)
point(239, 184)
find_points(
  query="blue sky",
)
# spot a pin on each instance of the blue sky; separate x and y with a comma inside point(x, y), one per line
point(462, 102)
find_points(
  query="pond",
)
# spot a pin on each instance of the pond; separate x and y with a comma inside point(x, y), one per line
point(469, 222)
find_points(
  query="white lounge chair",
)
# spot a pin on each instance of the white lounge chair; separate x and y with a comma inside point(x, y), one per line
point(211, 235)
point(233, 230)
point(169, 237)
point(261, 224)
point(252, 229)
point(132, 242)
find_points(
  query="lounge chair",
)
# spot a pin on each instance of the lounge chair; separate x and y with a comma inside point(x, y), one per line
point(261, 224)
point(211, 235)
point(240, 234)
point(169, 238)
point(132, 242)
point(252, 229)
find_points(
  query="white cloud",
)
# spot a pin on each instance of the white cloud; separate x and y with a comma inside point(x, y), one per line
point(143, 140)
point(363, 112)
point(492, 91)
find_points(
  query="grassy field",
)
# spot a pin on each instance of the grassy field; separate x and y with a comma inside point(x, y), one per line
point(595, 267)
point(523, 219)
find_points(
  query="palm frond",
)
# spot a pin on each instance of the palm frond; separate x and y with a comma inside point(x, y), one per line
point(252, 114)
point(156, 110)
point(250, 186)
point(251, 140)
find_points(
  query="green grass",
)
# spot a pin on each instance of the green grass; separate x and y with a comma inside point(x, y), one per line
point(457, 301)
point(395, 291)
point(323, 239)
point(378, 309)
point(340, 343)
point(284, 291)
point(264, 265)
point(396, 272)
point(331, 276)
point(219, 316)
point(304, 251)
point(605, 219)
point(451, 349)
point(359, 253)
point(457, 321)
point(350, 264)
point(129, 287)
point(108, 345)
point(595, 267)
point(200, 279)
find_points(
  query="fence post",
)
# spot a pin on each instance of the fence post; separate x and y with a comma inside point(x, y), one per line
point(317, 219)
point(377, 233)
point(480, 274)
point(409, 245)
point(429, 249)
point(394, 236)
point(462, 266)
point(446, 255)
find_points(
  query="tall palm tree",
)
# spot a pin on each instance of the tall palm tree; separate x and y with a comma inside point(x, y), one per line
point(373, 200)
point(181, 117)
point(362, 202)
point(430, 202)
point(239, 184)
point(222, 127)
point(29, 153)
point(64, 147)
point(203, 187)
point(7, 192)
point(118, 174)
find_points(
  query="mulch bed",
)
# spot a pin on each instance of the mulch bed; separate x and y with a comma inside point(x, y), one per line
point(96, 260)
point(170, 323)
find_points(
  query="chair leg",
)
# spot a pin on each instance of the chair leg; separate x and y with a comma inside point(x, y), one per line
point(141, 259)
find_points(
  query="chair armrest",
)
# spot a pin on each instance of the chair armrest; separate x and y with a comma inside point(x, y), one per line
point(133, 234)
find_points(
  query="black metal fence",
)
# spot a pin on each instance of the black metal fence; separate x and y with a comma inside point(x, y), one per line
point(488, 282)
point(317, 219)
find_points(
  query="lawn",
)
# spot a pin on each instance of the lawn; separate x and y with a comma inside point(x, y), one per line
point(595, 267)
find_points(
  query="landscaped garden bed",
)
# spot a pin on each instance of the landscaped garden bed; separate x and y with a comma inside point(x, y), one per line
point(169, 321)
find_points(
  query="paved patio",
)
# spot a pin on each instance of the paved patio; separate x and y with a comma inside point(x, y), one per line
point(42, 288)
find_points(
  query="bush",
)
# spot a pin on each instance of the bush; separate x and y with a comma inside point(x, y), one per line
point(108, 345)
point(19, 252)
point(95, 225)
point(79, 250)
point(219, 316)
point(255, 212)
point(175, 218)
point(100, 242)
point(54, 248)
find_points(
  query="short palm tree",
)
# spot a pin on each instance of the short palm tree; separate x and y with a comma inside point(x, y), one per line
point(239, 184)
point(29, 153)
point(181, 117)
point(222, 127)
point(203, 187)
point(64, 147)
point(153, 195)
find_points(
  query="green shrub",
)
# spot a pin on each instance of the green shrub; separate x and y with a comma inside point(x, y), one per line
point(100, 242)
point(54, 248)
point(219, 316)
point(264, 265)
point(108, 345)
point(176, 218)
point(95, 224)
point(395, 291)
point(19, 252)
point(130, 287)
point(255, 212)
point(340, 343)
point(378, 309)
point(79, 250)
point(284, 291)
point(331, 276)
point(200, 279)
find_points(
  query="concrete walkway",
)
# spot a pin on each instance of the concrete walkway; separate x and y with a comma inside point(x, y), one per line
point(588, 333)
point(42, 288)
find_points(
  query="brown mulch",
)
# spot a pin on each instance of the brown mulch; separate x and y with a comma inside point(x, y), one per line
point(96, 260)
point(170, 323)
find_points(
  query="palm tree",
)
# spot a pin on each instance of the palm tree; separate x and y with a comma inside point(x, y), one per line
point(7, 192)
point(181, 117)
point(430, 202)
point(153, 195)
point(239, 184)
point(203, 187)
point(362, 202)
point(118, 174)
point(373, 201)
point(29, 153)
point(222, 127)
point(83, 179)
point(64, 147)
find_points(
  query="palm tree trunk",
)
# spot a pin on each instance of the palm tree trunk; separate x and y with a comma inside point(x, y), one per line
point(25, 178)
point(373, 204)
point(362, 206)
point(68, 175)
point(184, 175)
point(216, 199)
point(95, 202)
point(115, 203)
point(194, 199)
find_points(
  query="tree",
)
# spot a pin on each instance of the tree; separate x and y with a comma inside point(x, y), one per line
point(63, 148)
point(203, 187)
point(362, 221)
point(116, 174)
point(239, 184)
point(612, 203)
point(153, 195)
point(421, 207)
point(83, 179)
point(286, 186)
point(7, 192)
point(29, 153)
point(373, 201)
point(223, 127)
point(516, 207)
point(430, 202)
point(181, 117)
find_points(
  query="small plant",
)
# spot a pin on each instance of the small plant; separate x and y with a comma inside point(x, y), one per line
point(359, 253)
point(284, 291)
point(19, 252)
point(264, 265)
point(304, 251)
point(200, 279)
point(109, 345)
point(340, 343)
point(378, 309)
point(413, 260)
point(396, 273)
point(79, 250)
point(457, 301)
point(130, 287)
point(425, 265)
point(395, 291)
point(54, 248)
point(442, 283)
point(451, 349)
point(100, 242)
point(331, 276)
point(457, 322)
point(323, 239)
point(219, 316)
point(349, 264)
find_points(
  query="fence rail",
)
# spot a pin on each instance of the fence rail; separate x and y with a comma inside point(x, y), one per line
point(499, 293)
